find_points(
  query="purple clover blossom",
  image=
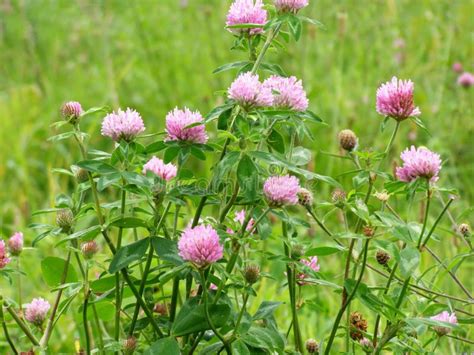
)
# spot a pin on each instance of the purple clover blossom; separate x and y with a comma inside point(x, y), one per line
point(395, 99)
point(287, 92)
point(200, 245)
point(177, 122)
point(121, 124)
point(243, 12)
point(160, 169)
point(311, 263)
point(466, 80)
point(444, 317)
point(249, 92)
point(36, 311)
point(290, 5)
point(15, 243)
point(4, 259)
point(281, 190)
point(419, 163)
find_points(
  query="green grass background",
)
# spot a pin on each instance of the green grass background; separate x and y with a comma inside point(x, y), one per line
point(155, 55)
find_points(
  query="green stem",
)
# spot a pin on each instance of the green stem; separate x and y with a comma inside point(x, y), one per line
point(390, 143)
point(20, 302)
point(208, 316)
point(348, 301)
point(5, 329)
point(147, 270)
point(230, 203)
point(436, 222)
point(86, 323)
point(21, 324)
point(49, 328)
point(425, 220)
point(265, 47)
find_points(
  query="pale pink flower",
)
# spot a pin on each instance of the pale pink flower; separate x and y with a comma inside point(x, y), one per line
point(122, 125)
point(71, 109)
point(240, 218)
point(243, 12)
point(213, 287)
point(419, 163)
point(281, 190)
point(200, 245)
point(287, 92)
point(15, 243)
point(177, 122)
point(457, 67)
point(4, 259)
point(249, 92)
point(466, 80)
point(395, 99)
point(444, 317)
point(160, 169)
point(311, 263)
point(36, 311)
point(290, 5)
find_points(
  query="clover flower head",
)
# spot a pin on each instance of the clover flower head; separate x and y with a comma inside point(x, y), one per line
point(243, 12)
point(395, 99)
point(419, 163)
point(177, 126)
point(200, 245)
point(160, 169)
point(121, 124)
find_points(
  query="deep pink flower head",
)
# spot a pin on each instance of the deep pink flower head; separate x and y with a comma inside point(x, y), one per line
point(160, 169)
point(249, 92)
point(177, 122)
point(15, 243)
point(311, 263)
point(395, 99)
point(444, 317)
point(71, 110)
point(290, 5)
point(246, 12)
point(419, 163)
point(4, 259)
point(36, 311)
point(457, 67)
point(466, 80)
point(287, 92)
point(281, 190)
point(122, 125)
point(200, 245)
point(240, 218)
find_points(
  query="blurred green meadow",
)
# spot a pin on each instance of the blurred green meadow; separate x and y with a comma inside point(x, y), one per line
point(155, 55)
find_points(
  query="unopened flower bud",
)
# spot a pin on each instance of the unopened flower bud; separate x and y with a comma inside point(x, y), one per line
point(15, 244)
point(382, 257)
point(252, 273)
point(64, 219)
point(347, 140)
point(71, 111)
point(89, 249)
point(82, 175)
point(368, 231)
point(129, 345)
point(312, 346)
point(465, 230)
point(161, 309)
point(297, 251)
point(339, 197)
point(382, 196)
point(305, 197)
point(367, 345)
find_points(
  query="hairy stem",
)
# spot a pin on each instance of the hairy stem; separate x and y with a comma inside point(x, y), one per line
point(5, 329)
point(21, 324)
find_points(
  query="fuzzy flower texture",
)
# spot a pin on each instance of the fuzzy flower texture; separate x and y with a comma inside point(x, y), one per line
point(71, 110)
point(249, 92)
point(288, 92)
point(122, 125)
point(200, 245)
point(36, 311)
point(290, 5)
point(281, 190)
point(15, 243)
point(177, 122)
point(243, 12)
point(4, 259)
point(395, 99)
point(444, 317)
point(160, 169)
point(419, 163)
